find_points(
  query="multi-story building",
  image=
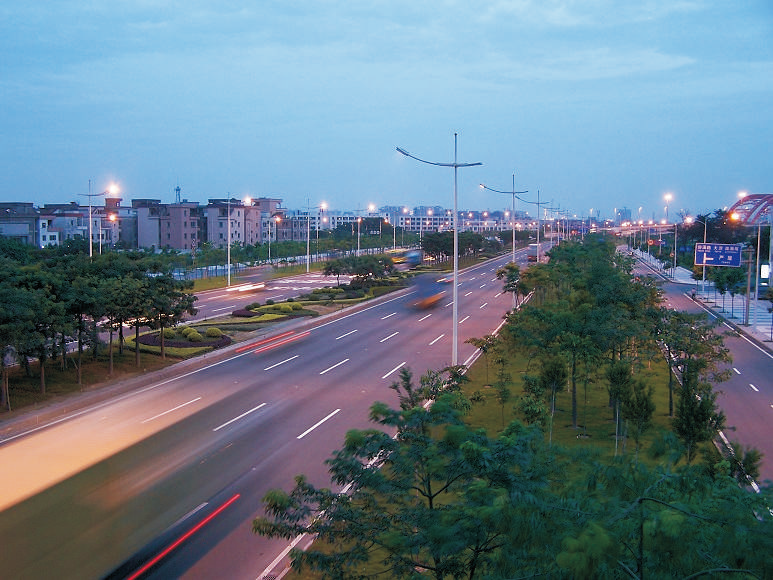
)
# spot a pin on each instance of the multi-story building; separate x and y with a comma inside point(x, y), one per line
point(19, 221)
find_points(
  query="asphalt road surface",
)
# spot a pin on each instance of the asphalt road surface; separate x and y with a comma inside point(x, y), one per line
point(168, 479)
point(747, 397)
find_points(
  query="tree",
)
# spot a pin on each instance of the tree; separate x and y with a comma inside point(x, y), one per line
point(697, 418)
point(484, 344)
point(335, 268)
point(169, 303)
point(511, 274)
point(619, 378)
point(637, 406)
point(443, 506)
point(553, 376)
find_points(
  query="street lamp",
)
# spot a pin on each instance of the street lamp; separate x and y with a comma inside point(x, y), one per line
point(228, 242)
point(276, 219)
point(112, 190)
point(514, 194)
point(690, 220)
point(667, 197)
point(456, 166)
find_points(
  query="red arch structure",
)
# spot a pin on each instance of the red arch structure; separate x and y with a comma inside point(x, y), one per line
point(753, 209)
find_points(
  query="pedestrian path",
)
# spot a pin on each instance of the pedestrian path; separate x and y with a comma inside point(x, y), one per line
point(730, 308)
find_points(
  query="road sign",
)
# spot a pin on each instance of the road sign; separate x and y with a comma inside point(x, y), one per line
point(718, 255)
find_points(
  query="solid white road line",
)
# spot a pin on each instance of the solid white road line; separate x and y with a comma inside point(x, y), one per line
point(402, 364)
point(281, 363)
point(317, 424)
point(334, 366)
point(172, 410)
point(239, 417)
point(347, 334)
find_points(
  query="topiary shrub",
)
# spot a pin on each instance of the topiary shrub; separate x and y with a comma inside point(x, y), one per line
point(195, 336)
point(285, 308)
point(169, 333)
point(297, 306)
point(214, 332)
point(186, 330)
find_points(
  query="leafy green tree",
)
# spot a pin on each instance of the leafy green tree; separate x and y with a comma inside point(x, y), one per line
point(668, 523)
point(510, 273)
point(553, 377)
point(484, 344)
point(637, 407)
point(335, 268)
point(532, 403)
point(697, 418)
point(444, 506)
point(169, 303)
point(619, 378)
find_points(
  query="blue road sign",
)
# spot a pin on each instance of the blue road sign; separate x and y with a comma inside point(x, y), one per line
point(718, 255)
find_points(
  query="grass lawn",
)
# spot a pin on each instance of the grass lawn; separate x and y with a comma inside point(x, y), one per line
point(595, 418)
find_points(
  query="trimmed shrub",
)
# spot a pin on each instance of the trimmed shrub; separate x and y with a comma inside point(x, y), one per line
point(285, 308)
point(269, 302)
point(195, 336)
point(297, 306)
point(186, 330)
point(291, 299)
point(253, 306)
point(214, 332)
point(169, 333)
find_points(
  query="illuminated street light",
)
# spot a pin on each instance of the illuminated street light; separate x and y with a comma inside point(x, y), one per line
point(690, 220)
point(111, 190)
point(514, 194)
point(456, 166)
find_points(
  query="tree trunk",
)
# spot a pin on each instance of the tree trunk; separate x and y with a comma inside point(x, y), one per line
point(110, 372)
point(42, 361)
point(574, 392)
point(137, 345)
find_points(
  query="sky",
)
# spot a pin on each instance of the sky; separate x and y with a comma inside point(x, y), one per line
point(598, 104)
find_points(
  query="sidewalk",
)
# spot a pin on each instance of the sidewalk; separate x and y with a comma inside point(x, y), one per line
point(760, 326)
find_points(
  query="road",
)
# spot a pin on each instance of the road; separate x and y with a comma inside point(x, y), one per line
point(747, 397)
point(223, 301)
point(186, 461)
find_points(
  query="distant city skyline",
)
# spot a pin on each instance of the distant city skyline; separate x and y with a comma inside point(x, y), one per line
point(598, 105)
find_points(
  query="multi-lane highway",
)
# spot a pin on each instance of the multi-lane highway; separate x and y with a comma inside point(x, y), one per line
point(172, 475)
point(747, 397)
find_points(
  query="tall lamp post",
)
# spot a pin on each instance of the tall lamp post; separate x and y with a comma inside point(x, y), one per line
point(514, 194)
point(322, 207)
point(456, 166)
point(228, 242)
point(690, 220)
point(112, 190)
